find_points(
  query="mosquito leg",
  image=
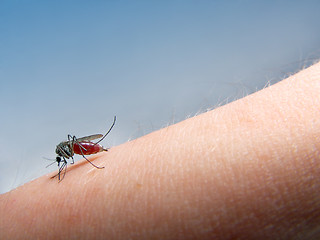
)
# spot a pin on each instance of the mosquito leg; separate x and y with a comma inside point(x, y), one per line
point(58, 174)
point(75, 140)
point(69, 137)
point(65, 165)
point(61, 168)
point(114, 121)
point(89, 160)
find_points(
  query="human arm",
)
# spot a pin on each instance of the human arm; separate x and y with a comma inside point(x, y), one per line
point(247, 170)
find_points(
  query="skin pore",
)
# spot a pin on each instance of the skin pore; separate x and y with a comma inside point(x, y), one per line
point(247, 170)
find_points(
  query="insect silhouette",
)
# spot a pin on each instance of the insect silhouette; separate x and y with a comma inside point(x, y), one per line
point(82, 146)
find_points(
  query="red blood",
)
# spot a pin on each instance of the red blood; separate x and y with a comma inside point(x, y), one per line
point(89, 148)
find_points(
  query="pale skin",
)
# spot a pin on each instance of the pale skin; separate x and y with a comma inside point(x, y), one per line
point(247, 170)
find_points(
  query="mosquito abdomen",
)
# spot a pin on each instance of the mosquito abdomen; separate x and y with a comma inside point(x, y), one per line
point(87, 148)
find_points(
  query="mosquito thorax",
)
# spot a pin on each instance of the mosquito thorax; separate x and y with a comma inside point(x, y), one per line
point(64, 150)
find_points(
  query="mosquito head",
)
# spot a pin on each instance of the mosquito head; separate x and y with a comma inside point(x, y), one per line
point(58, 160)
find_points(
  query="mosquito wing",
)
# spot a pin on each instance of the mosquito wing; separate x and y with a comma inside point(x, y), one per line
point(90, 138)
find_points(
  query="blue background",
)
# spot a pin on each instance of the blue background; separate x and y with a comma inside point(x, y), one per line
point(70, 66)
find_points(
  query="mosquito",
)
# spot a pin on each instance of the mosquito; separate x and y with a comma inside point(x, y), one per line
point(82, 146)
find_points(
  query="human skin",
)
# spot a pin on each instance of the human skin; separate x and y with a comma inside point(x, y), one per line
point(247, 170)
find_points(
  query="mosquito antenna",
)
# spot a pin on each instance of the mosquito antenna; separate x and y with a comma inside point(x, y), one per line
point(54, 161)
point(50, 164)
point(114, 121)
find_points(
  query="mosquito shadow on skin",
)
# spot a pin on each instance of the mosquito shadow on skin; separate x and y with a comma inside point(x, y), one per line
point(77, 164)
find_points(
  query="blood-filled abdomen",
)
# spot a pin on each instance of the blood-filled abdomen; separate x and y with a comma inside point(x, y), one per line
point(87, 148)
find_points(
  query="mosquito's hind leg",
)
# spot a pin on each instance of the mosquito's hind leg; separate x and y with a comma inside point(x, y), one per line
point(92, 163)
point(75, 140)
point(89, 160)
point(114, 121)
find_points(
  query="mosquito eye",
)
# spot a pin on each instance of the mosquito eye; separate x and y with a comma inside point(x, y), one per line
point(58, 159)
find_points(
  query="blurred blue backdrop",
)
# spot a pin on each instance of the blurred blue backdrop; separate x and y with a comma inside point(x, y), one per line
point(70, 66)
